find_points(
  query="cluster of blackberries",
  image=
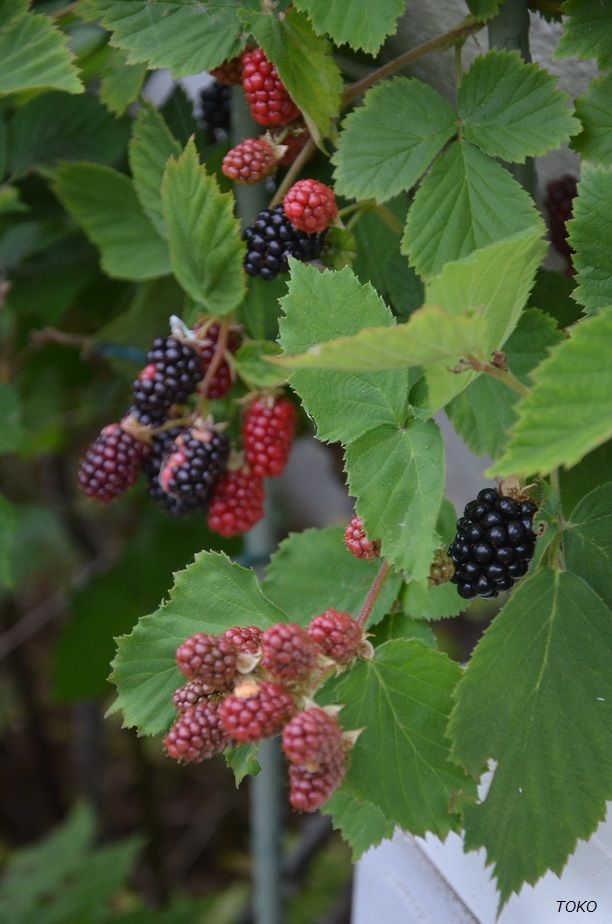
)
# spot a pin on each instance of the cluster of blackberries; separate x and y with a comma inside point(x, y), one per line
point(494, 544)
point(246, 685)
point(272, 239)
point(184, 457)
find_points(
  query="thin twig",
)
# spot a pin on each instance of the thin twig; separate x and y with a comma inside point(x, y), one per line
point(503, 375)
point(373, 593)
point(218, 355)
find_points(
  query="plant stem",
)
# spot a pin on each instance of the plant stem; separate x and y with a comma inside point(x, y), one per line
point(374, 593)
point(293, 171)
point(220, 347)
point(389, 219)
point(503, 375)
point(458, 33)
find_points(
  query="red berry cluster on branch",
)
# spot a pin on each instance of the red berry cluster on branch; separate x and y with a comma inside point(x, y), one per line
point(247, 685)
point(187, 457)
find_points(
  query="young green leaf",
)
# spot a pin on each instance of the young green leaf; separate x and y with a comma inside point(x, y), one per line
point(594, 109)
point(361, 824)
point(512, 109)
point(593, 257)
point(313, 571)
point(400, 763)
point(587, 541)
point(397, 476)
point(588, 32)
point(539, 682)
point(306, 67)
point(151, 146)
point(33, 52)
point(210, 595)
point(203, 235)
point(59, 127)
point(104, 204)
point(183, 36)
point(319, 307)
point(120, 82)
point(566, 413)
point(466, 201)
point(387, 143)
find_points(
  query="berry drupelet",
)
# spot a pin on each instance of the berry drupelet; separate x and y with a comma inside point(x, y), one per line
point(198, 458)
point(267, 435)
point(237, 503)
point(112, 463)
point(494, 544)
point(170, 376)
point(272, 239)
point(268, 100)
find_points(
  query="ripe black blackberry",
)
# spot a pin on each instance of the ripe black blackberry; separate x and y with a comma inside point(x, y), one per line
point(494, 544)
point(170, 376)
point(199, 456)
point(215, 101)
point(272, 239)
point(161, 447)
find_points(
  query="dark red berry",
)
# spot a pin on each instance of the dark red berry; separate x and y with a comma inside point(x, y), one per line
point(288, 652)
point(222, 380)
point(229, 73)
point(255, 711)
point(267, 434)
point(337, 635)
point(193, 692)
point(268, 100)
point(237, 503)
point(251, 161)
point(196, 734)
point(310, 206)
point(112, 463)
point(310, 789)
point(357, 542)
point(198, 458)
point(245, 638)
point(211, 659)
point(559, 203)
point(312, 738)
point(171, 375)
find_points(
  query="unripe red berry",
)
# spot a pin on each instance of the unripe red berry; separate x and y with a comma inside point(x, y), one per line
point(312, 738)
point(211, 659)
point(221, 382)
point(357, 542)
point(189, 695)
point(196, 734)
point(255, 711)
point(267, 435)
point(310, 206)
point(310, 789)
point(245, 638)
point(250, 161)
point(112, 463)
point(237, 503)
point(288, 652)
point(337, 635)
point(268, 100)
point(229, 73)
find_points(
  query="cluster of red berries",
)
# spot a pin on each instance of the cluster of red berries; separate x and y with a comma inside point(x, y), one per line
point(188, 459)
point(247, 685)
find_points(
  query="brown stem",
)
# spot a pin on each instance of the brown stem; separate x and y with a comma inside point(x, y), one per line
point(53, 335)
point(293, 171)
point(503, 375)
point(220, 348)
point(458, 33)
point(373, 593)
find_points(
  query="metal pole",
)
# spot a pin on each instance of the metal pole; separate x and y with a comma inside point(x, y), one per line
point(266, 793)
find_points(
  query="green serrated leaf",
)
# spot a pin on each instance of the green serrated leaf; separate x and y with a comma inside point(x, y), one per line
point(403, 696)
point(206, 249)
point(151, 146)
point(397, 476)
point(60, 127)
point(242, 760)
point(184, 36)
point(388, 142)
point(466, 201)
point(432, 603)
point(361, 824)
point(319, 307)
point(565, 415)
point(400, 625)
point(484, 9)
point(512, 109)
point(105, 205)
point(210, 595)
point(594, 109)
point(588, 32)
point(252, 367)
point(120, 82)
point(33, 52)
point(366, 26)
point(312, 568)
point(306, 67)
point(587, 541)
point(593, 258)
point(540, 685)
